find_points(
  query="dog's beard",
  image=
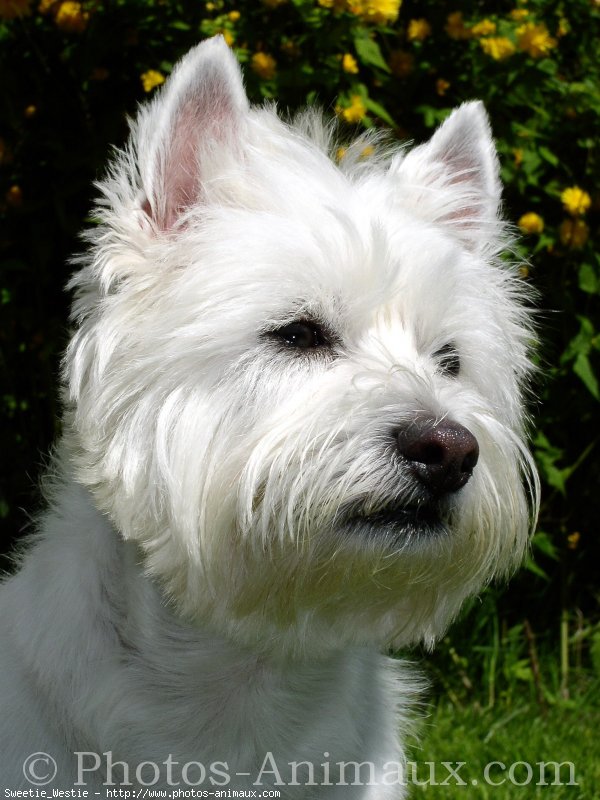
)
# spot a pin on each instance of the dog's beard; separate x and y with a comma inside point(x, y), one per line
point(329, 540)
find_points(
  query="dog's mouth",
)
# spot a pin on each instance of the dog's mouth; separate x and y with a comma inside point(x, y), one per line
point(414, 519)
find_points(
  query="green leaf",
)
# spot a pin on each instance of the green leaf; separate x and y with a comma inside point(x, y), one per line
point(432, 116)
point(581, 343)
point(548, 66)
point(588, 282)
point(546, 456)
point(587, 326)
point(541, 440)
point(379, 111)
point(535, 569)
point(369, 53)
point(542, 542)
point(548, 156)
point(557, 478)
point(520, 669)
point(583, 369)
point(545, 240)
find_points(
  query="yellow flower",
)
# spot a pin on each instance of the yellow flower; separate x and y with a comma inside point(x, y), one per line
point(335, 5)
point(14, 196)
point(401, 63)
point(340, 153)
point(355, 111)
point(386, 10)
point(518, 155)
point(349, 63)
point(418, 30)
point(9, 9)
point(531, 223)
point(573, 540)
point(574, 233)
point(535, 39)
point(46, 6)
point(484, 28)
point(519, 13)
point(367, 151)
point(563, 27)
point(376, 11)
point(498, 47)
point(264, 65)
point(290, 49)
point(71, 18)
point(234, 16)
point(441, 86)
point(151, 78)
point(576, 201)
point(227, 35)
point(455, 26)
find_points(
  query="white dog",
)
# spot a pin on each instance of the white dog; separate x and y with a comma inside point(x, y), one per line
point(293, 436)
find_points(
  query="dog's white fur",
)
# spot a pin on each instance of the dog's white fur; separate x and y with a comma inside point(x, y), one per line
point(192, 589)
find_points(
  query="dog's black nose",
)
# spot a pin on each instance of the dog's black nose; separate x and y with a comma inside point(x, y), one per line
point(442, 455)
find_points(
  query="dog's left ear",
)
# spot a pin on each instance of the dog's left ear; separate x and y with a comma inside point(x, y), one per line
point(454, 178)
point(190, 130)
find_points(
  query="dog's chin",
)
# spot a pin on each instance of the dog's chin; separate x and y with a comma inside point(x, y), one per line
point(399, 522)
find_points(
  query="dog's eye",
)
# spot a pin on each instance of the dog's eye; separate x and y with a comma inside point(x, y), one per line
point(303, 335)
point(448, 359)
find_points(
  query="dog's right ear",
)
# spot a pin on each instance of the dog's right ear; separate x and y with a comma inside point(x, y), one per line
point(454, 178)
point(188, 130)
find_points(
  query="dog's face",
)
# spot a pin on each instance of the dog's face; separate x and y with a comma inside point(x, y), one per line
point(297, 385)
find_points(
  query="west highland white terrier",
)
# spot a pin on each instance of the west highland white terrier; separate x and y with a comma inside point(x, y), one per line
point(293, 437)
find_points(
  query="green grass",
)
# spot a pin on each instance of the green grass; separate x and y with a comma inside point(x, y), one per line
point(509, 734)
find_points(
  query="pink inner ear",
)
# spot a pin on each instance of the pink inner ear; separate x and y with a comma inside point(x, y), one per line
point(205, 118)
point(465, 217)
point(470, 211)
point(464, 172)
point(462, 166)
point(179, 184)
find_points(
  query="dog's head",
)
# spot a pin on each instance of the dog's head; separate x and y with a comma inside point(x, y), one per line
point(296, 384)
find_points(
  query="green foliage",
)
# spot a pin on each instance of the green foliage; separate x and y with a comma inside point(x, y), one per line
point(511, 736)
point(486, 662)
point(71, 72)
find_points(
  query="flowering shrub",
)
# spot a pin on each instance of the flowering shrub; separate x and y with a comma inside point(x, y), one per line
point(72, 70)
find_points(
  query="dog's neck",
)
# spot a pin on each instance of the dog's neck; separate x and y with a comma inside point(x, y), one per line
point(144, 685)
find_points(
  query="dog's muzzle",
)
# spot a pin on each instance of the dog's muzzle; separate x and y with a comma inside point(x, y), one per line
point(441, 458)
